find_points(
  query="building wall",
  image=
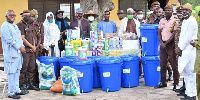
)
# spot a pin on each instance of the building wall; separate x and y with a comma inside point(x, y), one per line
point(113, 13)
point(17, 5)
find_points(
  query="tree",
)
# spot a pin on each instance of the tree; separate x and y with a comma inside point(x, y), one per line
point(98, 6)
point(192, 2)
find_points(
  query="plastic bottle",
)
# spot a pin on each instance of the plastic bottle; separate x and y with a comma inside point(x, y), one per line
point(82, 53)
point(68, 50)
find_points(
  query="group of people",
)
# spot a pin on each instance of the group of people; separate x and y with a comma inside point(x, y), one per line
point(25, 41)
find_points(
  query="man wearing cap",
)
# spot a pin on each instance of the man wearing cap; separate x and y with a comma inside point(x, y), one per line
point(39, 36)
point(106, 25)
point(187, 53)
point(80, 23)
point(29, 40)
point(151, 18)
point(119, 21)
point(167, 27)
point(13, 48)
point(91, 16)
point(176, 39)
point(130, 25)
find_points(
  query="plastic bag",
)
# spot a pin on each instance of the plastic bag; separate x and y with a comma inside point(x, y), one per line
point(69, 78)
point(46, 76)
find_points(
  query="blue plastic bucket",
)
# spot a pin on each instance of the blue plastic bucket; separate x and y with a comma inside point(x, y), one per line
point(48, 60)
point(86, 68)
point(96, 75)
point(130, 71)
point(149, 39)
point(110, 73)
point(64, 61)
point(151, 69)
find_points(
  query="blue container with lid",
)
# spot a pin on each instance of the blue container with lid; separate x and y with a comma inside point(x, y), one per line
point(47, 60)
point(151, 69)
point(96, 75)
point(86, 69)
point(149, 39)
point(130, 71)
point(64, 61)
point(110, 73)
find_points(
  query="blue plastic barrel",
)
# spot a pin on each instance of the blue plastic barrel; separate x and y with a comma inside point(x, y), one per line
point(49, 60)
point(130, 73)
point(151, 69)
point(149, 39)
point(86, 68)
point(96, 75)
point(64, 61)
point(110, 73)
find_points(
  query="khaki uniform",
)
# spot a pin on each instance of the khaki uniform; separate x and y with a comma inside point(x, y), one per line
point(27, 72)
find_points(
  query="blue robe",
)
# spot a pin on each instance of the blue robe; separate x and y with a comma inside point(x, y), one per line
point(11, 34)
point(107, 27)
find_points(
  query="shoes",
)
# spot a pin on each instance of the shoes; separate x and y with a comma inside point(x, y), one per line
point(175, 87)
point(31, 86)
point(23, 92)
point(14, 96)
point(182, 94)
point(189, 98)
point(160, 85)
point(182, 89)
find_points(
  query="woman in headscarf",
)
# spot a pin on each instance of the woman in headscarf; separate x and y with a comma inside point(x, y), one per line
point(51, 34)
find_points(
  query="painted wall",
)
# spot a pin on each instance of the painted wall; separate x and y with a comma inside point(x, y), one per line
point(17, 5)
point(113, 13)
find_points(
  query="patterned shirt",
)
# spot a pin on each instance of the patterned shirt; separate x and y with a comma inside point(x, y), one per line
point(93, 26)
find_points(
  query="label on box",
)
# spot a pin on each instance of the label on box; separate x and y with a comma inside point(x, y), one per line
point(144, 39)
point(126, 71)
point(106, 74)
point(158, 68)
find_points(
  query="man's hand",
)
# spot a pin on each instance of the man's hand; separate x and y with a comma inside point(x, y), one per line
point(22, 50)
point(163, 45)
point(41, 46)
point(179, 52)
point(192, 42)
point(34, 48)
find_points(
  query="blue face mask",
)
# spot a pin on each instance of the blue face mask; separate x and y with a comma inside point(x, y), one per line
point(50, 21)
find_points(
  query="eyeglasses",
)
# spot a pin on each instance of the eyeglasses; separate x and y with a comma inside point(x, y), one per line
point(12, 15)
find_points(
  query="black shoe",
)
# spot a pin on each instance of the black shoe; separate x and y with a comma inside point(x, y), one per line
point(182, 94)
point(23, 92)
point(160, 85)
point(31, 86)
point(189, 98)
point(182, 89)
point(14, 96)
point(23, 87)
point(175, 87)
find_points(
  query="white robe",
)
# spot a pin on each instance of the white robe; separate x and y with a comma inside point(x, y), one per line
point(135, 43)
point(51, 35)
point(186, 62)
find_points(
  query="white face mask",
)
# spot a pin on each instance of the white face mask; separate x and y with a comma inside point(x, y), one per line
point(91, 18)
point(140, 16)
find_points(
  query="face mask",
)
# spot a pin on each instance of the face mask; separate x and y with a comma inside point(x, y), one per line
point(36, 17)
point(50, 21)
point(79, 16)
point(91, 18)
point(130, 16)
point(186, 15)
point(140, 16)
point(9, 21)
point(26, 18)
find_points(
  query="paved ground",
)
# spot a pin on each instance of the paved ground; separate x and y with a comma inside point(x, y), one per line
point(141, 92)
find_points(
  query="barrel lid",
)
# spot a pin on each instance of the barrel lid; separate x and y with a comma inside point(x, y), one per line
point(150, 58)
point(135, 57)
point(48, 58)
point(67, 59)
point(95, 58)
point(82, 62)
point(129, 58)
point(149, 26)
point(110, 60)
